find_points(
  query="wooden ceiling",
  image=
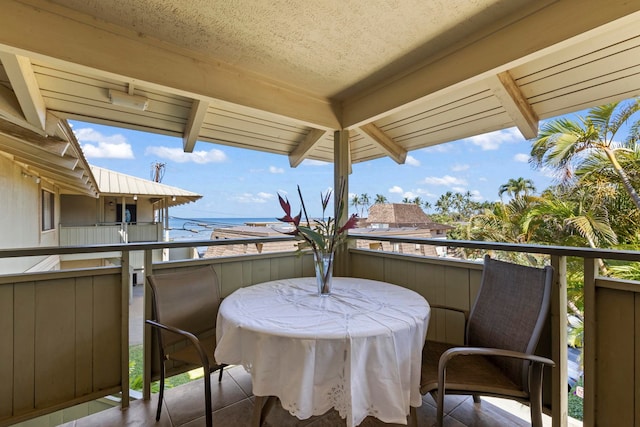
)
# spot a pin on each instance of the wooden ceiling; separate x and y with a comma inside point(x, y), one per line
point(281, 76)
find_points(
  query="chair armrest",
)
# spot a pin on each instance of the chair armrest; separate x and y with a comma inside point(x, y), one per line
point(191, 337)
point(459, 310)
point(485, 351)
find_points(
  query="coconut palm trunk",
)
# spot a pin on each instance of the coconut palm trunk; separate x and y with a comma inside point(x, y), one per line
point(623, 177)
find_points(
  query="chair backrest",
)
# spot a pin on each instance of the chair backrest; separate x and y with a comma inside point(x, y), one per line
point(510, 311)
point(186, 300)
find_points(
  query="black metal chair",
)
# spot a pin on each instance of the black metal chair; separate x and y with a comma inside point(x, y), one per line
point(185, 307)
point(501, 335)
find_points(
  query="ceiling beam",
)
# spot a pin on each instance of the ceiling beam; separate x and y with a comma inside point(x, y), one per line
point(497, 49)
point(24, 84)
point(194, 124)
point(18, 142)
point(303, 149)
point(388, 145)
point(10, 110)
point(81, 43)
point(515, 104)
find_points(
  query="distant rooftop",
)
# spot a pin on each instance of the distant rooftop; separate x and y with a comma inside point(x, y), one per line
point(400, 215)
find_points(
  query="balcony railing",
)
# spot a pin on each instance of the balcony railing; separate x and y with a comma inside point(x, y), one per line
point(110, 233)
point(64, 334)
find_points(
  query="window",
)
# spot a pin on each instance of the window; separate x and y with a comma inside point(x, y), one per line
point(48, 211)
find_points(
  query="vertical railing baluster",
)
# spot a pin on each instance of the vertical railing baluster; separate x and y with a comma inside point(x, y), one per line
point(559, 409)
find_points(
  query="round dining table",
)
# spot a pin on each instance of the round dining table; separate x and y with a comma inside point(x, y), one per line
point(357, 350)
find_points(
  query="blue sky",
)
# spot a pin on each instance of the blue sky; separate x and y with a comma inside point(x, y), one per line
point(243, 183)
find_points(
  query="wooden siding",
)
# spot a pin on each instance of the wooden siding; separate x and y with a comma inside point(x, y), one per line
point(617, 353)
point(60, 340)
point(233, 273)
point(452, 283)
point(109, 234)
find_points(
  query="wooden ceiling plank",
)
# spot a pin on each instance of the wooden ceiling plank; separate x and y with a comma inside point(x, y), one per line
point(515, 104)
point(71, 41)
point(194, 124)
point(505, 48)
point(303, 149)
point(387, 144)
point(25, 86)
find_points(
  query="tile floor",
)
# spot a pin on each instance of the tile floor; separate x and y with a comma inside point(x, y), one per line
point(233, 406)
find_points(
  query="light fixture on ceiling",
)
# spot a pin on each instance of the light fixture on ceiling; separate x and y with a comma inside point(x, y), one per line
point(134, 102)
point(35, 179)
point(173, 198)
point(135, 197)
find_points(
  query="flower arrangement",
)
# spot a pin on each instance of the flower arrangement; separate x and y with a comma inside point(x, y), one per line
point(322, 235)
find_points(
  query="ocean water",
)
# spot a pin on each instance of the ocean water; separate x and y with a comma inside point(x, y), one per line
point(201, 228)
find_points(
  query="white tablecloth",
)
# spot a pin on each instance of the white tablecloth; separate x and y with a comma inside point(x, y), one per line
point(358, 350)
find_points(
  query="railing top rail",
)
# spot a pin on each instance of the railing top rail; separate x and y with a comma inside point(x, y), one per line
point(627, 255)
point(83, 249)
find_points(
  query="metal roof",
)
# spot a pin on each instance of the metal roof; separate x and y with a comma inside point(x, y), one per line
point(282, 76)
point(112, 183)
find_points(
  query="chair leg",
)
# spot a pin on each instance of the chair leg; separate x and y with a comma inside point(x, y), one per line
point(161, 394)
point(535, 398)
point(207, 403)
point(220, 376)
point(413, 417)
point(476, 398)
point(440, 407)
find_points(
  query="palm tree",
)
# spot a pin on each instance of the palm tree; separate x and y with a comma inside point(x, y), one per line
point(515, 187)
point(417, 201)
point(406, 200)
point(364, 203)
point(355, 201)
point(444, 202)
point(572, 219)
point(427, 206)
point(566, 145)
point(380, 199)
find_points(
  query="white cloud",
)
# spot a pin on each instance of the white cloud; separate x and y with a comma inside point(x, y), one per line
point(412, 161)
point(476, 196)
point(310, 162)
point(266, 196)
point(395, 189)
point(521, 157)
point(177, 155)
point(446, 180)
point(459, 168)
point(96, 145)
point(273, 169)
point(459, 189)
point(493, 140)
point(409, 195)
point(253, 198)
point(439, 148)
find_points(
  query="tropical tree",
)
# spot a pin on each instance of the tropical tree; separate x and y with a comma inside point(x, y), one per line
point(406, 200)
point(444, 203)
point(427, 206)
point(568, 146)
point(355, 202)
point(516, 187)
point(417, 201)
point(365, 202)
point(380, 199)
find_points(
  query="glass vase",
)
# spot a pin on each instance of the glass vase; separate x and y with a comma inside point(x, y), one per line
point(324, 272)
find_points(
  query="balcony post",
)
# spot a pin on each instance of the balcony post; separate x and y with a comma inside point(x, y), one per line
point(559, 398)
point(591, 270)
point(146, 340)
point(341, 170)
point(125, 297)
